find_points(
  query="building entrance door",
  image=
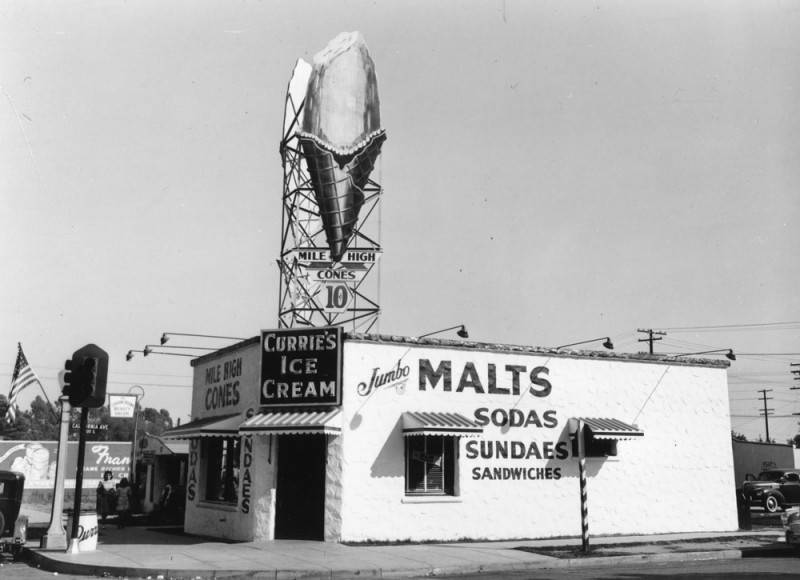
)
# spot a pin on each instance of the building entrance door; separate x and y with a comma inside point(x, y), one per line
point(300, 492)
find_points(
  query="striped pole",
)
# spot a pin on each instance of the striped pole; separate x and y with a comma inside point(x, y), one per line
point(584, 502)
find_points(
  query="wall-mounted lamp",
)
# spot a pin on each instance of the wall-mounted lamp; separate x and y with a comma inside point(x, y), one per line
point(145, 352)
point(462, 331)
point(148, 348)
point(728, 353)
point(606, 342)
point(165, 336)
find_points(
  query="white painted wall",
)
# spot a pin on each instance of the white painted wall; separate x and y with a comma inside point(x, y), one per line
point(679, 477)
point(227, 382)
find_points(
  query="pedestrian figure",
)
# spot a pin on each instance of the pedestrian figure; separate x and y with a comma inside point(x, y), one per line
point(105, 495)
point(166, 503)
point(123, 502)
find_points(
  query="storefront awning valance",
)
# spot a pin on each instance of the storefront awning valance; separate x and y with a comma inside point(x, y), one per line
point(294, 423)
point(227, 426)
point(438, 423)
point(611, 429)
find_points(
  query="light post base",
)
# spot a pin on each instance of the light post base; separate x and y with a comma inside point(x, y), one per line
point(53, 540)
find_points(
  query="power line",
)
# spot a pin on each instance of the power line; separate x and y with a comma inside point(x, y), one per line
point(758, 325)
point(759, 416)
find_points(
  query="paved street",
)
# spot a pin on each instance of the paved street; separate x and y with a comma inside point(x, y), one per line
point(21, 571)
point(752, 568)
point(773, 568)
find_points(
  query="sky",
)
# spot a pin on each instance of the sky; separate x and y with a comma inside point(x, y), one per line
point(553, 172)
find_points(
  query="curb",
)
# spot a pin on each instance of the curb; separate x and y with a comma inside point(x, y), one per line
point(41, 561)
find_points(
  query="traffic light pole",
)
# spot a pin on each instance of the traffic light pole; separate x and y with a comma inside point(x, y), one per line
point(76, 506)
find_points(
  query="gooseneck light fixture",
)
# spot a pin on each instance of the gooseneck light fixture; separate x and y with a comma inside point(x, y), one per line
point(148, 348)
point(606, 342)
point(165, 336)
point(727, 351)
point(129, 355)
point(462, 331)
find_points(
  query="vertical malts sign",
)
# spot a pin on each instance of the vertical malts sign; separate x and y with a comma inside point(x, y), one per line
point(301, 367)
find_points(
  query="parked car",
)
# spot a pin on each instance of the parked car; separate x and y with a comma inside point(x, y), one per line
point(774, 489)
point(791, 526)
point(13, 527)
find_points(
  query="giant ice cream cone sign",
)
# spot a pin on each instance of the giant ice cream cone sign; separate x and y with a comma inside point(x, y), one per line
point(330, 234)
point(341, 134)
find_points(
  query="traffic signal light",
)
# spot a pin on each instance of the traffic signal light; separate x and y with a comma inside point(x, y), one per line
point(85, 377)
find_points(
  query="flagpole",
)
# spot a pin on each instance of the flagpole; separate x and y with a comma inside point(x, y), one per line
point(49, 403)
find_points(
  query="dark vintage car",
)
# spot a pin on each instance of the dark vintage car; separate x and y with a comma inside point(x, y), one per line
point(774, 489)
point(13, 527)
point(791, 526)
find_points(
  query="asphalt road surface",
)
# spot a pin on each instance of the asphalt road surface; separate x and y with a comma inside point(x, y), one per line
point(787, 567)
point(755, 568)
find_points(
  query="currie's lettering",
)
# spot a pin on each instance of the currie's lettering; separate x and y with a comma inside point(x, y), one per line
point(508, 382)
point(274, 342)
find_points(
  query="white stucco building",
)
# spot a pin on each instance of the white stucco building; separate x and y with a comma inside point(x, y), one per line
point(313, 433)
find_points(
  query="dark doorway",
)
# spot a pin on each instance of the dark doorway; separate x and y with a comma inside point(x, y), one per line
point(300, 494)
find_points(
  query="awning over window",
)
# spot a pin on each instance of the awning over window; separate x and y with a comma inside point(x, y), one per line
point(437, 423)
point(611, 429)
point(294, 423)
point(227, 426)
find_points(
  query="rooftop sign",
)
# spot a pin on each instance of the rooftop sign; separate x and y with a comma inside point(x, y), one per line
point(301, 367)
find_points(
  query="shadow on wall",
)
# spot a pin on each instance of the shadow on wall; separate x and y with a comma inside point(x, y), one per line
point(569, 466)
point(389, 462)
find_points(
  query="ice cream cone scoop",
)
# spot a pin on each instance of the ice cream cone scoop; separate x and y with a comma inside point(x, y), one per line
point(341, 134)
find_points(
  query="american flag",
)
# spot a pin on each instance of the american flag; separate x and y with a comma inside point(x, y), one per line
point(23, 376)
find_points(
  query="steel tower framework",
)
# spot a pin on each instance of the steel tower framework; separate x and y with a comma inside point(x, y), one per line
point(347, 292)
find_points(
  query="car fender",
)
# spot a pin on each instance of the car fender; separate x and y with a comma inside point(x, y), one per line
point(21, 530)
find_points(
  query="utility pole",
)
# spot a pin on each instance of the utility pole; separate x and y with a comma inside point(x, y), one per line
point(651, 334)
point(766, 411)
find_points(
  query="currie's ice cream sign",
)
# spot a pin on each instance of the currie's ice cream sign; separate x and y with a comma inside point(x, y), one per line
point(301, 367)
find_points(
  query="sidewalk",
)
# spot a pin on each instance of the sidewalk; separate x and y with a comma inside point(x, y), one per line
point(141, 551)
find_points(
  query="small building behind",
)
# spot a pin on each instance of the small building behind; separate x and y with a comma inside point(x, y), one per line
point(161, 471)
point(752, 457)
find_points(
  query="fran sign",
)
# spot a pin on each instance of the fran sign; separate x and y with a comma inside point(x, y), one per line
point(301, 367)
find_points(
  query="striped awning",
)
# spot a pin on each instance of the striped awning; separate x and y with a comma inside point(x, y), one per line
point(294, 423)
point(610, 429)
point(438, 423)
point(226, 426)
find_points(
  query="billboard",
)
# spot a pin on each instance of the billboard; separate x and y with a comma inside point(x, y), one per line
point(37, 461)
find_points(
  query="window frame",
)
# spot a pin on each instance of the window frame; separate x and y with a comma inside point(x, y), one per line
point(444, 446)
point(222, 466)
